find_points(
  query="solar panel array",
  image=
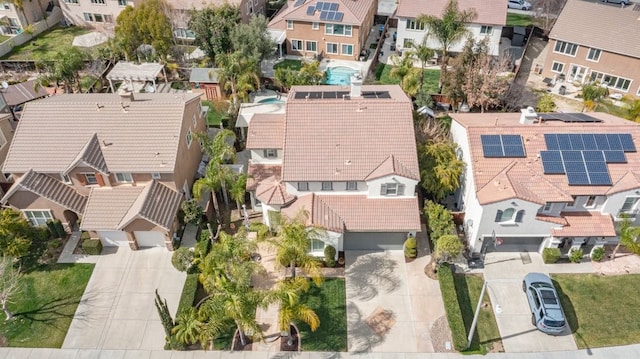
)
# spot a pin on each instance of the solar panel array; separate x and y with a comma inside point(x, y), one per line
point(497, 146)
point(584, 157)
point(568, 117)
point(298, 3)
point(328, 11)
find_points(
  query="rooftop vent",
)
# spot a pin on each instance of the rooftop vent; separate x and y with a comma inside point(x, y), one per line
point(528, 116)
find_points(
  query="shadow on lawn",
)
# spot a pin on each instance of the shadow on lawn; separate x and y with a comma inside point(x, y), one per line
point(49, 312)
point(569, 311)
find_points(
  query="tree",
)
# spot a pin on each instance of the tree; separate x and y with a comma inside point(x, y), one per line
point(439, 219)
point(238, 189)
point(238, 74)
point(145, 24)
point(487, 79)
point(309, 74)
point(628, 237)
point(165, 317)
point(440, 168)
point(448, 248)
point(592, 94)
point(546, 103)
point(252, 39)
point(15, 233)
point(448, 29)
point(10, 284)
point(212, 27)
point(65, 69)
point(633, 109)
point(192, 211)
point(292, 242)
point(407, 74)
point(287, 294)
point(423, 53)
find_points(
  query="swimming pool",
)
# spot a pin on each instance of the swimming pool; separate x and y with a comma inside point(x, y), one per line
point(270, 100)
point(340, 75)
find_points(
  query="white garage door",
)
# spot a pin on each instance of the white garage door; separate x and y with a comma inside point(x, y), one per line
point(149, 238)
point(113, 238)
point(371, 240)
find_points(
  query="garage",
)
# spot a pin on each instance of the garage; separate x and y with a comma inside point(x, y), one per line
point(374, 240)
point(513, 244)
point(113, 238)
point(149, 238)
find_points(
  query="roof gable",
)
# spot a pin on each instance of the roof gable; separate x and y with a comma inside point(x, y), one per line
point(91, 156)
point(391, 166)
point(156, 203)
point(49, 188)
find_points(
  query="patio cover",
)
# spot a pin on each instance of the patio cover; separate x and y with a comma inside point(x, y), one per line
point(586, 224)
point(128, 71)
point(278, 36)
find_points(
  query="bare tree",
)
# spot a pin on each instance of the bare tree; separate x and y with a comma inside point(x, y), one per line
point(546, 13)
point(9, 284)
point(487, 80)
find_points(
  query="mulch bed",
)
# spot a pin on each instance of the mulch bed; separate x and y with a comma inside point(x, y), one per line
point(284, 345)
point(237, 343)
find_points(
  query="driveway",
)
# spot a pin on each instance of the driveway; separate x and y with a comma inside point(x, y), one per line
point(117, 309)
point(504, 273)
point(392, 306)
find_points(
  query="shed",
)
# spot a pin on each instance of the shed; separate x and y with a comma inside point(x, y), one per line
point(206, 78)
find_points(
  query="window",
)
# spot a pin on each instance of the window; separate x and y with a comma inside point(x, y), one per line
point(629, 204)
point(249, 8)
point(296, 45)
point(638, 93)
point(109, 18)
point(271, 153)
point(195, 121)
point(347, 49)
point(311, 46)
point(591, 202)
point(566, 48)
point(7, 7)
point(315, 25)
point(98, 17)
point(509, 215)
point(88, 17)
point(90, 178)
point(65, 178)
point(618, 83)
point(547, 207)
point(13, 22)
point(337, 29)
point(189, 138)
point(122, 2)
point(486, 30)
point(38, 217)
point(572, 203)
point(352, 186)
point(327, 186)
point(303, 186)
point(124, 177)
point(534, 295)
point(98, 2)
point(316, 245)
point(415, 25)
point(407, 43)
point(289, 24)
point(156, 175)
point(178, 32)
point(594, 54)
point(557, 67)
point(332, 48)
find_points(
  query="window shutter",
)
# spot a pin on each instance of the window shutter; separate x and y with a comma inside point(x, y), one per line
point(383, 189)
point(498, 216)
point(81, 179)
point(401, 190)
point(519, 216)
point(99, 179)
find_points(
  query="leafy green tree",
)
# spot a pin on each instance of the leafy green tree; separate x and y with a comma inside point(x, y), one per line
point(15, 233)
point(10, 284)
point(238, 190)
point(252, 39)
point(448, 29)
point(546, 103)
point(65, 69)
point(633, 110)
point(212, 27)
point(628, 237)
point(423, 53)
point(593, 94)
point(439, 220)
point(440, 168)
point(238, 74)
point(287, 294)
point(448, 248)
point(145, 24)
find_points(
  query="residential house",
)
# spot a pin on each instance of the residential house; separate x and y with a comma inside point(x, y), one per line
point(334, 30)
point(15, 20)
point(596, 42)
point(119, 165)
point(549, 180)
point(346, 157)
point(491, 16)
point(6, 135)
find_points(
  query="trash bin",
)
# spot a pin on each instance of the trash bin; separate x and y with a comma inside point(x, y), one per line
point(562, 90)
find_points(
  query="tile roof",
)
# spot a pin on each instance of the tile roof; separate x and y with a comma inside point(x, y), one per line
point(391, 166)
point(266, 131)
point(90, 155)
point(357, 213)
point(200, 4)
point(592, 24)
point(492, 12)
point(345, 140)
point(257, 173)
point(274, 192)
point(134, 136)
point(586, 224)
point(355, 11)
point(160, 205)
point(501, 178)
point(49, 188)
point(204, 74)
point(22, 92)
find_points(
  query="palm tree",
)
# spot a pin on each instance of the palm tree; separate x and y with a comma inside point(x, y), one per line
point(423, 53)
point(238, 74)
point(214, 179)
point(238, 189)
point(628, 236)
point(219, 149)
point(448, 29)
point(188, 327)
point(633, 110)
point(403, 69)
point(293, 242)
point(310, 73)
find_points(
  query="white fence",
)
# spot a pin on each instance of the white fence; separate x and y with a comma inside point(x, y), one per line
point(54, 18)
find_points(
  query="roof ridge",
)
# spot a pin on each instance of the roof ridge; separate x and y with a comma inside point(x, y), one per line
point(333, 211)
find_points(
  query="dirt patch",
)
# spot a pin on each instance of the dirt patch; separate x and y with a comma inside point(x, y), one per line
point(381, 321)
point(237, 343)
point(440, 335)
point(294, 346)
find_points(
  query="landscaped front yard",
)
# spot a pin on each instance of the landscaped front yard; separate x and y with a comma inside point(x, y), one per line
point(46, 305)
point(601, 310)
point(383, 77)
point(329, 303)
point(46, 45)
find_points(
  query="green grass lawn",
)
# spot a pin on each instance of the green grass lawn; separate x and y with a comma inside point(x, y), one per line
point(329, 303)
point(290, 64)
point(46, 305)
point(601, 311)
point(216, 112)
point(4, 38)
point(468, 288)
point(383, 77)
point(46, 45)
point(519, 20)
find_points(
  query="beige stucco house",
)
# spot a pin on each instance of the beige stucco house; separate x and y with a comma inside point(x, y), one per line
point(14, 20)
point(120, 166)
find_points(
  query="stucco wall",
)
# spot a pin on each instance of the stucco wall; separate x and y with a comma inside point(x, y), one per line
point(22, 200)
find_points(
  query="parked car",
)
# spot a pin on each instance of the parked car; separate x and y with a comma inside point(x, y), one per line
point(521, 5)
point(624, 2)
point(546, 310)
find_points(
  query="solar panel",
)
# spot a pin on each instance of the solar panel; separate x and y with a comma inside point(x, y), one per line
point(323, 15)
point(599, 178)
point(319, 5)
point(574, 166)
point(589, 142)
point(593, 156)
point(490, 139)
point(600, 166)
point(511, 139)
point(615, 157)
point(551, 156)
point(614, 141)
point(298, 2)
point(576, 141)
point(552, 167)
point(577, 178)
point(334, 6)
point(563, 142)
point(627, 142)
point(513, 151)
point(330, 15)
point(601, 141)
point(326, 6)
point(339, 16)
point(311, 10)
point(571, 156)
point(492, 151)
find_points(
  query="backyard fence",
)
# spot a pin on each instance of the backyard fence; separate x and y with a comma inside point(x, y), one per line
point(54, 18)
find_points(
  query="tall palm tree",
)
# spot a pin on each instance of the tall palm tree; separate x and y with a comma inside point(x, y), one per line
point(423, 53)
point(238, 189)
point(219, 149)
point(238, 74)
point(214, 179)
point(293, 242)
point(403, 69)
point(448, 29)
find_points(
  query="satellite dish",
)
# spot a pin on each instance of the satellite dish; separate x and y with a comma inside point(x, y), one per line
point(4, 85)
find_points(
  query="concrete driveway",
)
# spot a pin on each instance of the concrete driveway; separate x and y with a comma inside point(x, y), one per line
point(504, 273)
point(117, 309)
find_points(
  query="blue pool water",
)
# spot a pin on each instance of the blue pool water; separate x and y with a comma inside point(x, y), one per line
point(340, 75)
point(270, 100)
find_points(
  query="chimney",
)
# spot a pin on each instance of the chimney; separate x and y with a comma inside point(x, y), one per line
point(528, 116)
point(356, 86)
point(126, 93)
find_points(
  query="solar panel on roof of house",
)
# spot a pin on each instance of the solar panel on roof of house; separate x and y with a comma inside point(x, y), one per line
point(627, 142)
point(298, 3)
point(333, 7)
point(553, 167)
point(599, 178)
point(330, 15)
point(319, 5)
point(326, 6)
point(502, 146)
point(311, 10)
point(577, 178)
point(339, 16)
point(323, 15)
point(615, 157)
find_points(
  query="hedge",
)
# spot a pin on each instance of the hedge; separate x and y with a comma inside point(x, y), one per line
point(188, 293)
point(452, 307)
point(59, 228)
point(92, 246)
point(551, 255)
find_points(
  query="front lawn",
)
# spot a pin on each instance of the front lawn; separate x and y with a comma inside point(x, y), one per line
point(46, 305)
point(519, 20)
point(329, 303)
point(294, 65)
point(601, 310)
point(383, 77)
point(46, 45)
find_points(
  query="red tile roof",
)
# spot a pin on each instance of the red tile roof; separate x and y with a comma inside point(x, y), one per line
point(257, 173)
point(391, 166)
point(272, 191)
point(491, 12)
point(265, 131)
point(355, 12)
point(586, 224)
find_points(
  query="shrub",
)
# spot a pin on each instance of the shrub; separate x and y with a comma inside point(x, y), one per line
point(575, 255)
point(597, 254)
point(440, 221)
point(448, 248)
point(59, 232)
point(452, 307)
point(261, 228)
point(85, 235)
point(192, 211)
point(551, 255)
point(52, 228)
point(188, 295)
point(411, 247)
point(182, 259)
point(92, 246)
point(330, 256)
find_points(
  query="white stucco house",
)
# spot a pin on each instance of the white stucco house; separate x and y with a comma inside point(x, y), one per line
point(546, 180)
point(491, 17)
point(346, 156)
